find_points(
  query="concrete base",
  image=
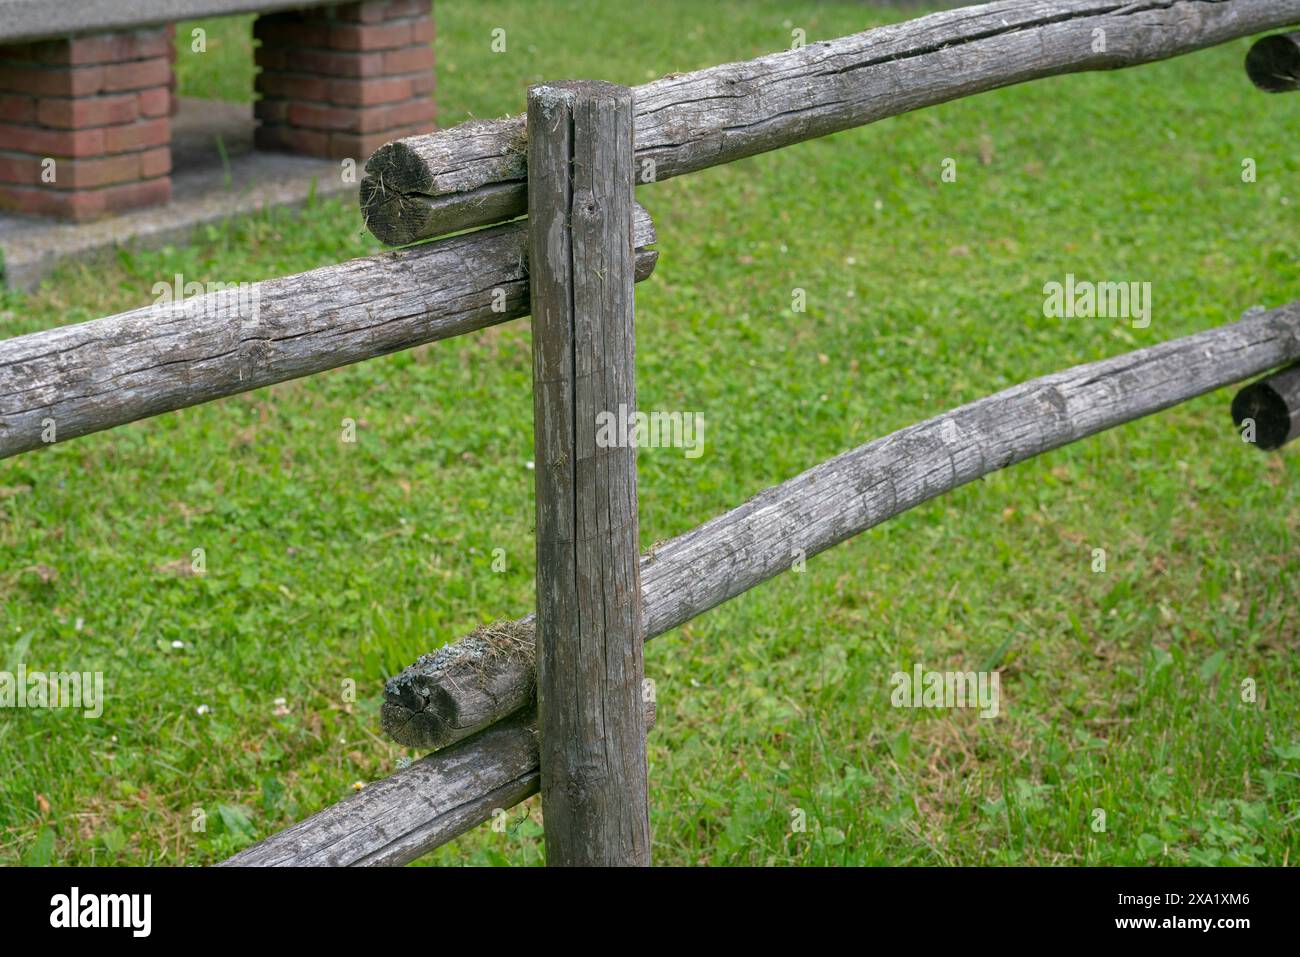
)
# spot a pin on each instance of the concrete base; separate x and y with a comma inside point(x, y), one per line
point(203, 191)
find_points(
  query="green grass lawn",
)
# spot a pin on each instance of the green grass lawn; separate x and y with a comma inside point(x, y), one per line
point(330, 562)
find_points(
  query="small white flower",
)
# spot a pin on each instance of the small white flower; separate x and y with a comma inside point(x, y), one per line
point(178, 644)
point(203, 709)
point(530, 466)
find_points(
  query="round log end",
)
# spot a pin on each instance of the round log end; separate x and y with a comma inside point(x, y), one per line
point(462, 687)
point(646, 259)
point(419, 729)
point(393, 217)
point(1261, 403)
point(417, 712)
point(1273, 63)
point(393, 173)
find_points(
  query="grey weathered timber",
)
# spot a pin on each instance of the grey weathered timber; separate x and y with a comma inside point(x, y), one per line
point(22, 20)
point(396, 820)
point(589, 638)
point(449, 694)
point(861, 488)
point(78, 379)
point(455, 691)
point(1273, 63)
point(475, 173)
point(1273, 405)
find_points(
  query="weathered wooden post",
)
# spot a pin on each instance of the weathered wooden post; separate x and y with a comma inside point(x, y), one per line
point(589, 631)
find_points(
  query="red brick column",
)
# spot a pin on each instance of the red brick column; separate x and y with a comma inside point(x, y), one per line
point(341, 81)
point(84, 126)
point(171, 58)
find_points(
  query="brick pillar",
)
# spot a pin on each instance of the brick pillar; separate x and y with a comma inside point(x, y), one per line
point(84, 126)
point(341, 81)
point(172, 95)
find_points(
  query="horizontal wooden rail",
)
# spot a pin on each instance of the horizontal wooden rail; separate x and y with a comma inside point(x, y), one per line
point(475, 173)
point(82, 378)
point(437, 798)
point(395, 820)
point(450, 694)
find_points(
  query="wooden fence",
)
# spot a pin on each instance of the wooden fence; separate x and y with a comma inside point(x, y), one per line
point(554, 702)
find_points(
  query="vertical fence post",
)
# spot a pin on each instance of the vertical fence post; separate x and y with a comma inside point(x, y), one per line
point(589, 631)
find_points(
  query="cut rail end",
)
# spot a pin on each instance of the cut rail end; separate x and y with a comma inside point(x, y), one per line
point(1273, 63)
point(448, 695)
point(390, 203)
point(1272, 404)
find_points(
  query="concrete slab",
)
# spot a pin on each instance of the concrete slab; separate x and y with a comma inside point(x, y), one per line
point(23, 20)
point(205, 189)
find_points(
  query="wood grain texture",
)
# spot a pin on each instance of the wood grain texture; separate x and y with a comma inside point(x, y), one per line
point(1272, 404)
point(589, 639)
point(104, 373)
point(861, 488)
point(406, 815)
point(475, 173)
point(1273, 63)
point(451, 693)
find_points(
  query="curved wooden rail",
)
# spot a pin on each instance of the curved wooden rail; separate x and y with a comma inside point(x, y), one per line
point(476, 173)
